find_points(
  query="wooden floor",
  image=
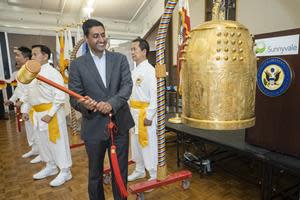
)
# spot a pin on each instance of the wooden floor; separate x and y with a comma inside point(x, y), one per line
point(16, 176)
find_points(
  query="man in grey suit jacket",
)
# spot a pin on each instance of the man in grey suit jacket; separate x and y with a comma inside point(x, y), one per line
point(104, 79)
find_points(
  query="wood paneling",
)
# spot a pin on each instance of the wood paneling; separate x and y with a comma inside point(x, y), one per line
point(277, 118)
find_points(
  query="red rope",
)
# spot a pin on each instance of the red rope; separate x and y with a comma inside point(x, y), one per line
point(112, 130)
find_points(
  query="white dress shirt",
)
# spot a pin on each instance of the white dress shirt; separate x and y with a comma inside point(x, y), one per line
point(101, 65)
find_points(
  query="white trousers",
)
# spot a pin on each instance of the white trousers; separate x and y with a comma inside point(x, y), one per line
point(59, 153)
point(31, 136)
point(145, 157)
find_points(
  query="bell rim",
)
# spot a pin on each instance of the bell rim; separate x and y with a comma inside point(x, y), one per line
point(218, 125)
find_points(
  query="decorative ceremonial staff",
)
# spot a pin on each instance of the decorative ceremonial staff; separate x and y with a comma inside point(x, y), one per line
point(162, 175)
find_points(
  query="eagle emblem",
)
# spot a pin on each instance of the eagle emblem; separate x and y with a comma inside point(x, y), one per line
point(272, 77)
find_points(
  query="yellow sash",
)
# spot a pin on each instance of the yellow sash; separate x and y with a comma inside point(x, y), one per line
point(31, 115)
point(14, 83)
point(3, 85)
point(53, 127)
point(143, 133)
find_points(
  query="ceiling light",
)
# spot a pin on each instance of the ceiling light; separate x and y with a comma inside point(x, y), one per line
point(88, 11)
point(90, 3)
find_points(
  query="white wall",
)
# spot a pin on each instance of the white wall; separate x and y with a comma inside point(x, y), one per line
point(149, 16)
point(259, 16)
point(124, 48)
point(263, 16)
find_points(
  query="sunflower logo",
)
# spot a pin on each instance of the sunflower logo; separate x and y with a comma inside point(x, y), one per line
point(260, 47)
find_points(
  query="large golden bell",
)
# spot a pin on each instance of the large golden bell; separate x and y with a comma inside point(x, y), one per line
point(219, 77)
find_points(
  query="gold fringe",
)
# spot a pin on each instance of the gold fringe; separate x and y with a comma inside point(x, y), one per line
point(160, 70)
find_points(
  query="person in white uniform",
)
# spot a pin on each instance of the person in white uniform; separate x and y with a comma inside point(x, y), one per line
point(22, 55)
point(143, 106)
point(49, 120)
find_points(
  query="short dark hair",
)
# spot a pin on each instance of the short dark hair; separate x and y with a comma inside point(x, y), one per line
point(26, 52)
point(89, 24)
point(143, 44)
point(44, 49)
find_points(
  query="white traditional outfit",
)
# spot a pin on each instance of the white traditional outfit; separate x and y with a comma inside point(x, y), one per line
point(52, 137)
point(143, 104)
point(19, 95)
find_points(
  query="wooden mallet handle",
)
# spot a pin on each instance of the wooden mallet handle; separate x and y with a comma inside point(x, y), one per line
point(60, 87)
point(30, 70)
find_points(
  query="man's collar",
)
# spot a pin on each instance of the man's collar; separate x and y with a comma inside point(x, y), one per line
point(93, 55)
point(143, 62)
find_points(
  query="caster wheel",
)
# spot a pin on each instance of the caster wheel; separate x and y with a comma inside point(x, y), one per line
point(185, 184)
point(140, 196)
point(106, 179)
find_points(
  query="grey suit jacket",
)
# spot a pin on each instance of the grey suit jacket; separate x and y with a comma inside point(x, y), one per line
point(85, 80)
